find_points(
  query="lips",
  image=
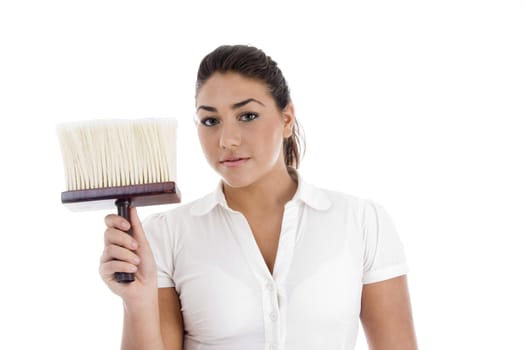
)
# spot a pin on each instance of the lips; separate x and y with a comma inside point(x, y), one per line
point(233, 161)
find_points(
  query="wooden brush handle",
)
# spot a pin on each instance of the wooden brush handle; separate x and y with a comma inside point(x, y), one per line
point(123, 209)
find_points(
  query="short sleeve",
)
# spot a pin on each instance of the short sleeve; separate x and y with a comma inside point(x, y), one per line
point(161, 242)
point(384, 255)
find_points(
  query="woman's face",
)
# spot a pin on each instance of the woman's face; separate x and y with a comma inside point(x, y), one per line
point(241, 129)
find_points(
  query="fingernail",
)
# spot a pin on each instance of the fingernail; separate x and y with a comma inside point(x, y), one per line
point(133, 245)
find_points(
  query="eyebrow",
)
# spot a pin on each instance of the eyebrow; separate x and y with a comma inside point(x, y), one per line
point(234, 106)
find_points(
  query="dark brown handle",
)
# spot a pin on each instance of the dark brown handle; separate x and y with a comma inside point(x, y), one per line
point(123, 209)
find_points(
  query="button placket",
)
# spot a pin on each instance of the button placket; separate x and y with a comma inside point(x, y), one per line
point(270, 311)
point(284, 257)
point(256, 263)
point(287, 237)
point(273, 302)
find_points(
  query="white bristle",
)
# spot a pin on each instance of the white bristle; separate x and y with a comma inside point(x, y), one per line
point(107, 153)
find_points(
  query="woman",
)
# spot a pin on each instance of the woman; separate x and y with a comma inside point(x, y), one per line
point(267, 261)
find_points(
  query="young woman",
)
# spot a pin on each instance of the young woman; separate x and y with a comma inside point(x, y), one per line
point(267, 260)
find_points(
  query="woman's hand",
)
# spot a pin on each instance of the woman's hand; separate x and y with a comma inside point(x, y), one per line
point(126, 253)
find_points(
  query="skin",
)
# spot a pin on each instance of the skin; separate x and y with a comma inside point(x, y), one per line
point(141, 299)
point(386, 315)
point(241, 131)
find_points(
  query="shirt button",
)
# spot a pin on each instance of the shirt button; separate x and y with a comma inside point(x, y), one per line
point(273, 316)
point(270, 287)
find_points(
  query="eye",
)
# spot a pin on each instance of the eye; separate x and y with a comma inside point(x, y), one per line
point(209, 121)
point(247, 117)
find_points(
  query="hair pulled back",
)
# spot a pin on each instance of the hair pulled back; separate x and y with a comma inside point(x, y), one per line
point(253, 63)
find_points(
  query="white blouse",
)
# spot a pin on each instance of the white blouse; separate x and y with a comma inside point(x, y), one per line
point(330, 245)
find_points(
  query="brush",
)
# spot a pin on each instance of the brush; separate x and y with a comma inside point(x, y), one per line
point(122, 163)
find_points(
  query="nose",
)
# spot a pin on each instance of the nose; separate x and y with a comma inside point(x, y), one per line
point(230, 136)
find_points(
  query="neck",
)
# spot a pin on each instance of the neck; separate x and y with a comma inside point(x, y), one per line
point(273, 190)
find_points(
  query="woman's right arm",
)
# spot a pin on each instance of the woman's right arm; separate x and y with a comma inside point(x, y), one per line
point(152, 316)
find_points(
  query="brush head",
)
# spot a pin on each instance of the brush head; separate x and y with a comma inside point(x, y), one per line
point(106, 160)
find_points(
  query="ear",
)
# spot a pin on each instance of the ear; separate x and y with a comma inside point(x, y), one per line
point(288, 120)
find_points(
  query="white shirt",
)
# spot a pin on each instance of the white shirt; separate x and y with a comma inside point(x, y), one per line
point(330, 245)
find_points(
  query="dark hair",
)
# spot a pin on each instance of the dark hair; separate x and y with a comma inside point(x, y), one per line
point(252, 62)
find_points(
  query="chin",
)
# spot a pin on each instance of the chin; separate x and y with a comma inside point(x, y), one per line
point(237, 180)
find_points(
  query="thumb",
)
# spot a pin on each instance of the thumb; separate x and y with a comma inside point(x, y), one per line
point(137, 229)
point(147, 267)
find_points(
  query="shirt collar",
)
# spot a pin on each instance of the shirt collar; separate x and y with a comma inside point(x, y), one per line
point(311, 195)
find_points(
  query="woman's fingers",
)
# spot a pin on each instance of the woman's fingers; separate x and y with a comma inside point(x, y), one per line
point(127, 253)
point(119, 254)
point(117, 259)
point(115, 252)
point(114, 220)
point(120, 238)
point(108, 269)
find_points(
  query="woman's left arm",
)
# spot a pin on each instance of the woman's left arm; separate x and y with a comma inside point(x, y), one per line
point(386, 315)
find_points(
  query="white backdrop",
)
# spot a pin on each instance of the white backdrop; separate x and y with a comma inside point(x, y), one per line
point(418, 105)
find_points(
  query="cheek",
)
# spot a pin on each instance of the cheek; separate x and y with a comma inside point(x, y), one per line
point(206, 141)
point(200, 135)
point(271, 140)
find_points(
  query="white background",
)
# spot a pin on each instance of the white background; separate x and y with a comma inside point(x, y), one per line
point(418, 105)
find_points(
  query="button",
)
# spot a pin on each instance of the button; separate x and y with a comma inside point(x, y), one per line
point(273, 316)
point(270, 287)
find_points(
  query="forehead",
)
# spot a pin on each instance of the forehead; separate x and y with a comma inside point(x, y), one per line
point(228, 88)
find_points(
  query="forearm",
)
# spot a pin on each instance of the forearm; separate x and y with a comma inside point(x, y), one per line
point(142, 328)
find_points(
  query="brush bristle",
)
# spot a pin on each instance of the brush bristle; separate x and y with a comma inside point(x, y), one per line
point(108, 153)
